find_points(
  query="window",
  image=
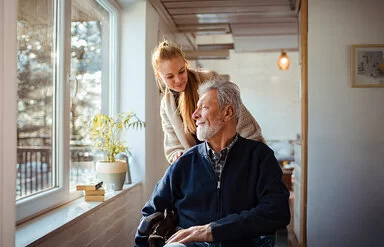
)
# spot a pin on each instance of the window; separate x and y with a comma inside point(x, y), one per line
point(64, 77)
point(35, 77)
point(89, 68)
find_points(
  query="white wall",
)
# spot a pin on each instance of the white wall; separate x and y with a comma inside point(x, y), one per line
point(270, 94)
point(138, 92)
point(142, 28)
point(345, 128)
point(7, 122)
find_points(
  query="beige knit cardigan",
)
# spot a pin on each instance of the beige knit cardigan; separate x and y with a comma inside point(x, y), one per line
point(175, 139)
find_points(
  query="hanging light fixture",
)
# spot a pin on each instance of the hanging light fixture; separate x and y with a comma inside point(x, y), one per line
point(283, 61)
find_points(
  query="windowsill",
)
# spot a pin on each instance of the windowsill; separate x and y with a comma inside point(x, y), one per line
point(63, 216)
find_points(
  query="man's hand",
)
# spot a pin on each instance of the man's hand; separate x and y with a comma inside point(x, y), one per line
point(192, 234)
point(177, 155)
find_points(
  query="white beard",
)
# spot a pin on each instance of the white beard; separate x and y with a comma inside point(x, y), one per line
point(207, 132)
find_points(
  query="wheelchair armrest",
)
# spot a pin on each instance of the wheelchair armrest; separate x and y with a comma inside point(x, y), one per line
point(147, 223)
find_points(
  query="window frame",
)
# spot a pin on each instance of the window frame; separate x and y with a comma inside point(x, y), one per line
point(33, 205)
point(8, 50)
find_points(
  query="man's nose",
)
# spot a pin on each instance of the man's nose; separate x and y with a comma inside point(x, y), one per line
point(195, 114)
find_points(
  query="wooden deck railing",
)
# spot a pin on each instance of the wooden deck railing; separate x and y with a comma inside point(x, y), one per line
point(34, 169)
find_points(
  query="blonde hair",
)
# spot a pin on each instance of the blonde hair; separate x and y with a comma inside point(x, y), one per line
point(165, 50)
point(188, 98)
point(187, 103)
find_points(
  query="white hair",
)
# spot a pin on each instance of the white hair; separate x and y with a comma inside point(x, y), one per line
point(228, 93)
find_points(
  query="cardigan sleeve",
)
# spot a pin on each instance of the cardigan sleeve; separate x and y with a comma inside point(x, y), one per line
point(248, 127)
point(172, 144)
point(160, 200)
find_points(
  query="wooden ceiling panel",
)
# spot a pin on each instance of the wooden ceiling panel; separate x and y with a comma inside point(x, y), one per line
point(264, 29)
point(242, 1)
point(205, 28)
point(194, 20)
point(231, 10)
point(220, 3)
point(216, 46)
point(241, 18)
point(234, 18)
point(207, 54)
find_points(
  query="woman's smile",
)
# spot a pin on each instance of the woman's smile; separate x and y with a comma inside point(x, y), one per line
point(173, 73)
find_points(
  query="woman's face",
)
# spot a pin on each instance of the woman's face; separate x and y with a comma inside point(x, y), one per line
point(173, 73)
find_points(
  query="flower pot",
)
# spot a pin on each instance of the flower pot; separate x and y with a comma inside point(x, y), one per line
point(112, 173)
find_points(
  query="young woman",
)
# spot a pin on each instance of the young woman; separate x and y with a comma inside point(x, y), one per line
point(179, 84)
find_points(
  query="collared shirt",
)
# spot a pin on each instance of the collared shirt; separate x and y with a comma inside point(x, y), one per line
point(218, 160)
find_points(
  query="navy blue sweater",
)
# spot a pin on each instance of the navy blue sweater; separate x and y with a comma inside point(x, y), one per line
point(250, 201)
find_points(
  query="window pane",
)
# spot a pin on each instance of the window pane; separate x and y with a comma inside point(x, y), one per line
point(89, 65)
point(35, 92)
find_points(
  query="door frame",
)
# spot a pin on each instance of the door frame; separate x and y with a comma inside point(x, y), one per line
point(303, 27)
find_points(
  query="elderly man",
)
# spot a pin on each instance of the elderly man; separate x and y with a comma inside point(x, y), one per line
point(226, 191)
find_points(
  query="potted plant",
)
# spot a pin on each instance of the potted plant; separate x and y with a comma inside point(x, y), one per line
point(105, 133)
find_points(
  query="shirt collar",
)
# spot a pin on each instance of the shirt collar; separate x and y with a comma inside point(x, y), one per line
point(174, 92)
point(212, 152)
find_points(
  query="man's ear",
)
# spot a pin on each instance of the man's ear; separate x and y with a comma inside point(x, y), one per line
point(228, 112)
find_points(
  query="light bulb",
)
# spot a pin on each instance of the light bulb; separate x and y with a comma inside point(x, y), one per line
point(283, 61)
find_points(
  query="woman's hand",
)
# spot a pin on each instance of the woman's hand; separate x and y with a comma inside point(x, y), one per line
point(178, 154)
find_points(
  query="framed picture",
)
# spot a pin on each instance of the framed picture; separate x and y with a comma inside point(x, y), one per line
point(367, 65)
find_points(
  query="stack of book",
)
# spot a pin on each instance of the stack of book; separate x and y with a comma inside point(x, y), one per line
point(93, 192)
